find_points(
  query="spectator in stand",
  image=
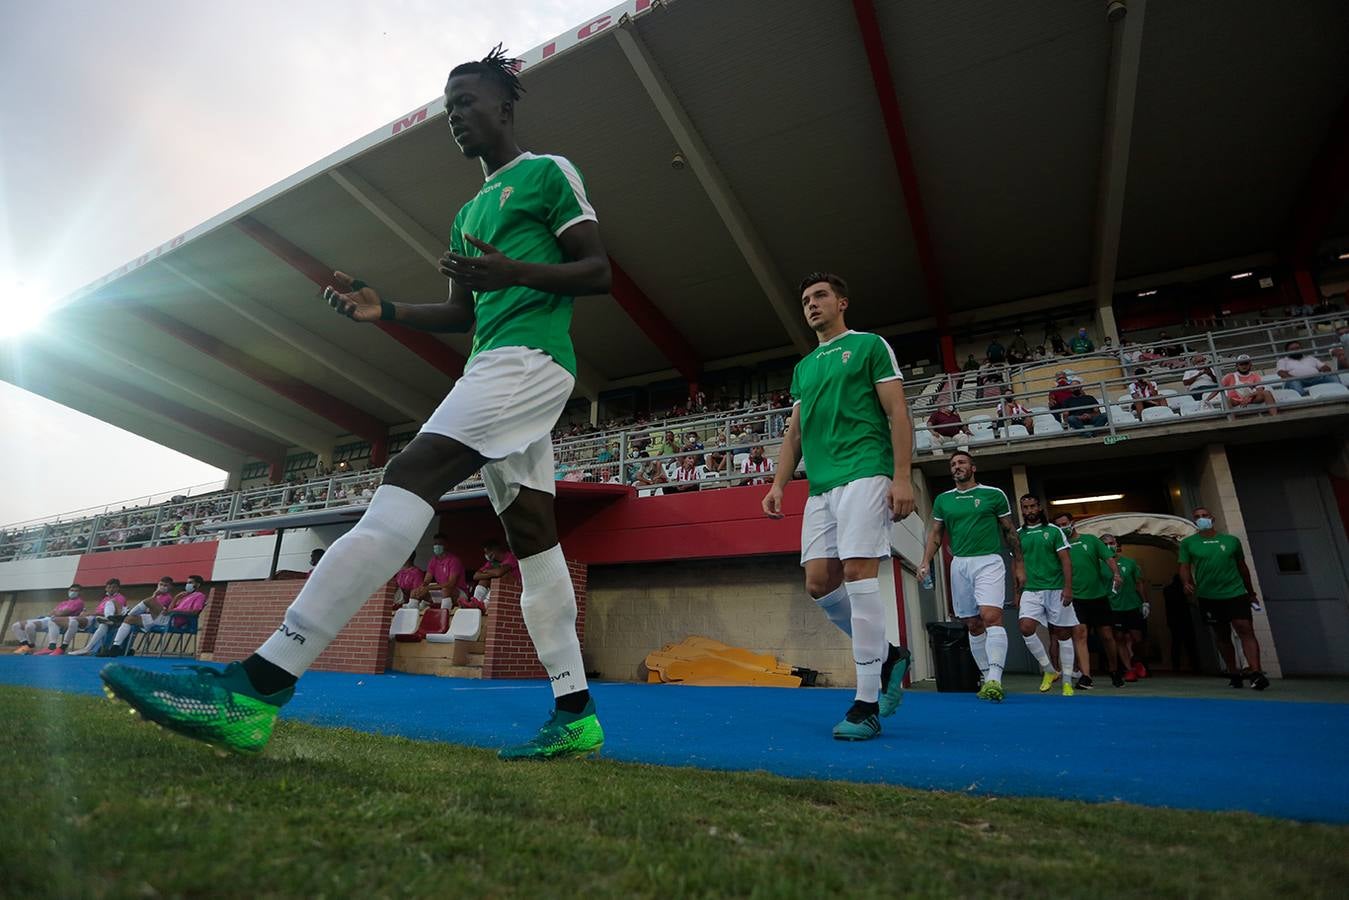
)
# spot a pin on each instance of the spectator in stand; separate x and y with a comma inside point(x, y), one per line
point(112, 604)
point(1081, 343)
point(154, 611)
point(1342, 348)
point(691, 442)
point(26, 631)
point(685, 472)
point(1062, 391)
point(500, 562)
point(1166, 348)
point(1040, 352)
point(996, 353)
point(608, 453)
point(1108, 345)
point(1082, 411)
point(1019, 352)
point(1144, 392)
point(1304, 369)
point(1057, 345)
point(1244, 388)
point(411, 581)
point(445, 576)
point(1200, 378)
point(758, 463)
point(714, 468)
point(1011, 412)
point(946, 422)
point(666, 446)
point(652, 475)
point(971, 364)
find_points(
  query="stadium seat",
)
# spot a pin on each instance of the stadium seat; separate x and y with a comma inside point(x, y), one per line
point(981, 435)
point(404, 623)
point(1017, 431)
point(1157, 414)
point(1194, 408)
point(1285, 395)
point(1047, 424)
point(465, 626)
point(434, 621)
point(738, 459)
point(158, 638)
point(922, 440)
point(1040, 410)
point(1124, 398)
point(1121, 416)
point(1327, 391)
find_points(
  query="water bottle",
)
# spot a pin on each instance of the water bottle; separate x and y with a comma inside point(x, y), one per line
point(928, 582)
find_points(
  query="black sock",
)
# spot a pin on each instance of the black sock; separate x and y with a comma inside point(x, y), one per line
point(860, 709)
point(889, 666)
point(267, 677)
point(573, 703)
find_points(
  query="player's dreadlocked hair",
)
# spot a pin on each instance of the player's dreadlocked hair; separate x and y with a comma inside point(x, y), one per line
point(498, 67)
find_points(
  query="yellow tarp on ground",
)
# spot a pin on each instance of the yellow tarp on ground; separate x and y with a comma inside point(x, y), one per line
point(703, 661)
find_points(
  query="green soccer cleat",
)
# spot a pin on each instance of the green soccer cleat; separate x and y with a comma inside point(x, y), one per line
point(860, 724)
point(1047, 681)
point(564, 734)
point(991, 690)
point(892, 679)
point(219, 708)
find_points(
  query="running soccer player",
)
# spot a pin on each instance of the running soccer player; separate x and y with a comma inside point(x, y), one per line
point(1047, 598)
point(852, 425)
point(1214, 571)
point(520, 251)
point(974, 513)
point(1091, 560)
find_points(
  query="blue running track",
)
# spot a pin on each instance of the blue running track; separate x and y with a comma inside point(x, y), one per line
point(1273, 758)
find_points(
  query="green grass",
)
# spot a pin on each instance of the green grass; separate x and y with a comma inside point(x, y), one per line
point(338, 813)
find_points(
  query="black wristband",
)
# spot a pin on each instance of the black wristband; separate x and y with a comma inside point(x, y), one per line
point(358, 285)
point(386, 311)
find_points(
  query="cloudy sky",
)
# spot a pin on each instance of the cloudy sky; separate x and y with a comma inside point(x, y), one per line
point(124, 124)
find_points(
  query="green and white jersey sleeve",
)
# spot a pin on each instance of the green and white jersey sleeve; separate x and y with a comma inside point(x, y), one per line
point(971, 519)
point(522, 210)
point(845, 434)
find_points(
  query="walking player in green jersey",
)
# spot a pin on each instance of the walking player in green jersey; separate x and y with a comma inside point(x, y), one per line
point(1126, 609)
point(978, 519)
point(1047, 597)
point(1091, 586)
point(852, 425)
point(1213, 570)
point(519, 252)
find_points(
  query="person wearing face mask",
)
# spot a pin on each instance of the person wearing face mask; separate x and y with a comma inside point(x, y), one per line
point(27, 630)
point(1214, 572)
point(1304, 369)
point(445, 581)
point(946, 422)
point(1127, 605)
point(411, 581)
point(112, 604)
point(499, 562)
point(1244, 388)
point(1081, 343)
point(161, 609)
point(1082, 411)
point(1095, 575)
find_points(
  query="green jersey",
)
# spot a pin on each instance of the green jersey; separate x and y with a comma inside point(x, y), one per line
point(522, 210)
point(1088, 554)
point(1213, 565)
point(1127, 598)
point(845, 434)
point(971, 518)
point(1040, 546)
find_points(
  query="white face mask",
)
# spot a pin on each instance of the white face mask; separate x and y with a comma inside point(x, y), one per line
point(72, 594)
point(1204, 523)
point(192, 586)
point(438, 549)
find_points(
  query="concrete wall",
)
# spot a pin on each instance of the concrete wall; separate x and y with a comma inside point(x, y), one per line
point(37, 574)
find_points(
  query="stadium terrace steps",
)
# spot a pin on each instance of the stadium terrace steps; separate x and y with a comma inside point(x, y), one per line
point(460, 659)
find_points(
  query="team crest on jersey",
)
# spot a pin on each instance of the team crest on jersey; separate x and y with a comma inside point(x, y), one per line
point(847, 355)
point(505, 195)
point(976, 502)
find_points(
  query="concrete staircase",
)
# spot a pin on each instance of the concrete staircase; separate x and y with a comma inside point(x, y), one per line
point(460, 659)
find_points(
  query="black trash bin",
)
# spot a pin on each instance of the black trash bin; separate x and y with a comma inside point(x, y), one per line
point(955, 668)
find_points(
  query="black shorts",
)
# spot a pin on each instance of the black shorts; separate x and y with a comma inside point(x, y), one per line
point(1221, 612)
point(1093, 612)
point(1129, 620)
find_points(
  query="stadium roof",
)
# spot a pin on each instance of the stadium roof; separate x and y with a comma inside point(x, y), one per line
point(951, 159)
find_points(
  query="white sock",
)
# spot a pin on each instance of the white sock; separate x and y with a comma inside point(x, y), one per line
point(1066, 658)
point(548, 604)
point(979, 652)
point(71, 630)
point(30, 632)
point(123, 632)
point(997, 651)
point(482, 591)
point(95, 641)
point(20, 634)
point(836, 606)
point(353, 568)
point(868, 636)
point(1037, 650)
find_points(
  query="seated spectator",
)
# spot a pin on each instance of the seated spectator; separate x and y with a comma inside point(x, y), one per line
point(1166, 348)
point(26, 631)
point(652, 474)
point(758, 464)
point(411, 581)
point(691, 442)
point(946, 422)
point(1011, 412)
point(1057, 345)
point(1304, 369)
point(686, 472)
point(715, 467)
point(608, 453)
point(1062, 391)
point(1199, 376)
point(500, 562)
point(1144, 393)
point(1244, 388)
point(1019, 351)
point(445, 581)
point(1040, 352)
point(157, 610)
point(971, 364)
point(112, 604)
point(666, 446)
point(1339, 352)
point(1081, 343)
point(1081, 410)
point(1108, 345)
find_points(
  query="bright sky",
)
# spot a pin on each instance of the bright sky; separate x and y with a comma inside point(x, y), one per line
point(124, 124)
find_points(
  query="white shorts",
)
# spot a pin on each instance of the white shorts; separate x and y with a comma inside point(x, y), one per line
point(851, 521)
point(977, 581)
point(1046, 607)
point(505, 406)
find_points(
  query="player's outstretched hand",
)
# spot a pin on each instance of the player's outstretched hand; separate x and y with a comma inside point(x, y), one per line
point(900, 500)
point(772, 503)
point(359, 304)
point(491, 271)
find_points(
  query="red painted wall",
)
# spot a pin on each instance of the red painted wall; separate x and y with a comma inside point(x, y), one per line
point(147, 565)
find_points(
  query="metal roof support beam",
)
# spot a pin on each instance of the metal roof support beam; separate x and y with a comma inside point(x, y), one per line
point(775, 287)
point(659, 330)
point(340, 363)
point(1322, 193)
point(874, 45)
point(1126, 43)
point(438, 355)
point(337, 411)
point(425, 245)
point(274, 422)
